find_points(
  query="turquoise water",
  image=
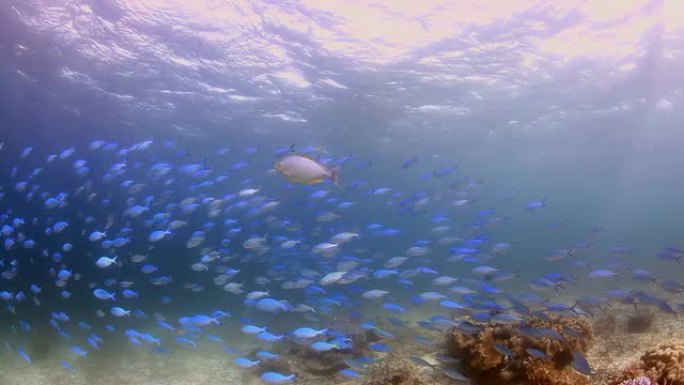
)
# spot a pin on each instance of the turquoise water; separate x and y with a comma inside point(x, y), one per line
point(495, 163)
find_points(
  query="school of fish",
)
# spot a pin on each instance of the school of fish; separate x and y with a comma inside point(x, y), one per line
point(281, 246)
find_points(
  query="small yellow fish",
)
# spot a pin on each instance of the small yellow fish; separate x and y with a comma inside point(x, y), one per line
point(304, 170)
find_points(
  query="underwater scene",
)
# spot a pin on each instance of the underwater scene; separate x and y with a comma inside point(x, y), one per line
point(341, 192)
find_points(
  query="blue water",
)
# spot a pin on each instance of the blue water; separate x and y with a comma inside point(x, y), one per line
point(445, 122)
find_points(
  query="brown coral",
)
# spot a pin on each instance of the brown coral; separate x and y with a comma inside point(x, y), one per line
point(577, 333)
point(557, 337)
point(663, 365)
point(668, 362)
point(478, 350)
point(632, 372)
point(539, 372)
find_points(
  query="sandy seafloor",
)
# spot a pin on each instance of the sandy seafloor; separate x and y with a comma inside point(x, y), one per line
point(126, 365)
point(123, 364)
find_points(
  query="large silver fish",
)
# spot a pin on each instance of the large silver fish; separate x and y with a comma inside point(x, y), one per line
point(300, 169)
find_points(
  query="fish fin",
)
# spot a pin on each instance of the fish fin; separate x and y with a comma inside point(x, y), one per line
point(310, 182)
point(335, 175)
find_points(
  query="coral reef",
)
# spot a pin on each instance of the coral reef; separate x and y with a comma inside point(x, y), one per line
point(300, 358)
point(663, 365)
point(640, 323)
point(668, 362)
point(642, 380)
point(394, 371)
point(321, 364)
point(540, 372)
point(538, 352)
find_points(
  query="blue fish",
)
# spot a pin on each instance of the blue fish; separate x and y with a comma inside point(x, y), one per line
point(536, 353)
point(349, 373)
point(394, 308)
point(379, 347)
point(245, 362)
point(580, 363)
point(267, 356)
point(68, 367)
point(24, 356)
point(278, 378)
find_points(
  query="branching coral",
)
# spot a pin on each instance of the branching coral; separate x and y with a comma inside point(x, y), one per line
point(538, 352)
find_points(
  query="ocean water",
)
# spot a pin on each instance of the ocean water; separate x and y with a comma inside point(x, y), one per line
point(497, 163)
